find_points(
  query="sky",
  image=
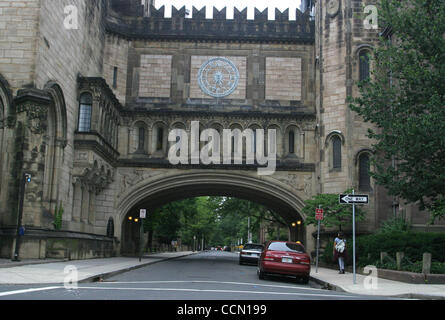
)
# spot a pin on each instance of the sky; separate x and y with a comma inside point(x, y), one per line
point(230, 4)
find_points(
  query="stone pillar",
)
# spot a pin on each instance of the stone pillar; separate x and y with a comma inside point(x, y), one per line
point(426, 266)
point(91, 206)
point(85, 203)
point(399, 258)
point(77, 201)
point(32, 130)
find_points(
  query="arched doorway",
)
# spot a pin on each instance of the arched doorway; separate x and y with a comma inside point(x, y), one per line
point(154, 193)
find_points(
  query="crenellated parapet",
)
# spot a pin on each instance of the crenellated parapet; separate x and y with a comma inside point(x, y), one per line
point(180, 26)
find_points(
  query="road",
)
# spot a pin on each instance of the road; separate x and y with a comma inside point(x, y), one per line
point(211, 275)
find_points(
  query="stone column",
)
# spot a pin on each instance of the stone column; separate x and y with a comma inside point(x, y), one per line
point(77, 201)
point(85, 202)
point(91, 206)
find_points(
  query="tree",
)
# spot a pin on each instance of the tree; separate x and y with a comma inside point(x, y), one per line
point(234, 213)
point(166, 222)
point(334, 213)
point(405, 100)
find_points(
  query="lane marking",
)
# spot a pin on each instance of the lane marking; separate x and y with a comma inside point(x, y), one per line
point(214, 282)
point(217, 291)
point(8, 293)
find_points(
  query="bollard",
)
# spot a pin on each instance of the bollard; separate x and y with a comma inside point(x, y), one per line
point(382, 256)
point(399, 258)
point(426, 265)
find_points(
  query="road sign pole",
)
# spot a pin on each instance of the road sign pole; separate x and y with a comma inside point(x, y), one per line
point(353, 241)
point(142, 216)
point(318, 243)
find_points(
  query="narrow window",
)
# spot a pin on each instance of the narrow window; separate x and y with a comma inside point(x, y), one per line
point(110, 228)
point(364, 65)
point(233, 145)
point(160, 140)
point(291, 141)
point(115, 77)
point(336, 152)
point(86, 102)
point(364, 177)
point(254, 140)
point(141, 139)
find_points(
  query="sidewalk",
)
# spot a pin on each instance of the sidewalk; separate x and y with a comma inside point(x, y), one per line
point(49, 272)
point(344, 282)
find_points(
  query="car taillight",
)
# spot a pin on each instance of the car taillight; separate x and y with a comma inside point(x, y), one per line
point(269, 257)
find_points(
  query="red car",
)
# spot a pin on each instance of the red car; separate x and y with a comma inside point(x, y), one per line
point(284, 258)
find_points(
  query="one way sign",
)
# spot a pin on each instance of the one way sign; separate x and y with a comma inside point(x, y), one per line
point(354, 199)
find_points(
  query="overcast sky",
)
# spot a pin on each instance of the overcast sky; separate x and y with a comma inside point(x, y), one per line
point(240, 4)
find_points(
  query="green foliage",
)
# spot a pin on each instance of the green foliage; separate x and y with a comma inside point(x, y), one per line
point(232, 221)
point(413, 244)
point(167, 221)
point(405, 100)
point(219, 220)
point(335, 214)
point(58, 214)
point(395, 225)
point(407, 265)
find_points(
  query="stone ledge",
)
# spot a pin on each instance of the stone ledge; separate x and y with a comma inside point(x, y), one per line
point(400, 276)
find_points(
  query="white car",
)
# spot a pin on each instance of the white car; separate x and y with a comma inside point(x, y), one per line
point(250, 253)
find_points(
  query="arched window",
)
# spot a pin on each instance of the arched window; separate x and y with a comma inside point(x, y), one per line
point(363, 172)
point(141, 139)
point(336, 152)
point(364, 70)
point(160, 139)
point(85, 111)
point(291, 141)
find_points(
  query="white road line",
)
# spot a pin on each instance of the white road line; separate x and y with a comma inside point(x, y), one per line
point(216, 291)
point(9, 293)
point(215, 282)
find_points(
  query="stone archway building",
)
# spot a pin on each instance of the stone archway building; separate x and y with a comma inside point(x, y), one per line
point(87, 113)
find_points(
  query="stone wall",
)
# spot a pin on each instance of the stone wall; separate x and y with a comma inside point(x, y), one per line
point(155, 76)
point(283, 78)
point(62, 56)
point(19, 21)
point(250, 58)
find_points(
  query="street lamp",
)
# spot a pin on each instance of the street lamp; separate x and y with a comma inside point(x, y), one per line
point(26, 178)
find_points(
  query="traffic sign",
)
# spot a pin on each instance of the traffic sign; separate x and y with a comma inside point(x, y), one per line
point(318, 214)
point(354, 199)
point(143, 213)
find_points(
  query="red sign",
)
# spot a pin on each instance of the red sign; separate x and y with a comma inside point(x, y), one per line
point(318, 214)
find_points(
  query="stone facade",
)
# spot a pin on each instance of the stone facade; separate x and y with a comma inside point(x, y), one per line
point(128, 75)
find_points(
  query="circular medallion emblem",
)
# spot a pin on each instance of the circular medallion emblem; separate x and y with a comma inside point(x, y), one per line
point(218, 77)
point(333, 7)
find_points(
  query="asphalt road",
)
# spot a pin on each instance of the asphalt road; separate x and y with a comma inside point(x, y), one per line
point(212, 275)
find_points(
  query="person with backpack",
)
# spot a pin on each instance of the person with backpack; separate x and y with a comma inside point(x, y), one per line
point(340, 252)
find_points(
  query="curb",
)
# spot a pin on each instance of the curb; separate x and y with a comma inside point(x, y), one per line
point(102, 276)
point(21, 264)
point(326, 285)
point(329, 286)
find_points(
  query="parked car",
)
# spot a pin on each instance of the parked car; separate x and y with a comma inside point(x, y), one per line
point(285, 258)
point(250, 253)
point(227, 248)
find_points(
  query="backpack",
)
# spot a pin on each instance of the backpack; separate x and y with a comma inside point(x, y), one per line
point(340, 246)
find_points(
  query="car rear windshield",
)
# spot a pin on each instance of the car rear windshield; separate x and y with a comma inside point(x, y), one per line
point(253, 246)
point(286, 246)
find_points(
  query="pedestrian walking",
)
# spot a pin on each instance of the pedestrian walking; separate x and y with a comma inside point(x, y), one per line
point(339, 252)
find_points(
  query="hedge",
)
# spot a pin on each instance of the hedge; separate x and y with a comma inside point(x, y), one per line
point(413, 244)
